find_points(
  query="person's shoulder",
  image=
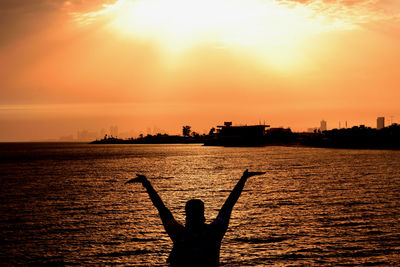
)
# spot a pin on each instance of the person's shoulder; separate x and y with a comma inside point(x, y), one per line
point(174, 229)
point(220, 220)
point(174, 225)
point(218, 223)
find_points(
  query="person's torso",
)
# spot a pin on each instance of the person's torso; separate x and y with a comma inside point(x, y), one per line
point(196, 248)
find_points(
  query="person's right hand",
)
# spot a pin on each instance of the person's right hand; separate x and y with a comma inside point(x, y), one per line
point(248, 174)
point(138, 179)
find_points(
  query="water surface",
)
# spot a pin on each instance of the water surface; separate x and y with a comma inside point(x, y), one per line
point(67, 203)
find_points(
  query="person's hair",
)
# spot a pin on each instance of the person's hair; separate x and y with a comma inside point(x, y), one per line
point(194, 211)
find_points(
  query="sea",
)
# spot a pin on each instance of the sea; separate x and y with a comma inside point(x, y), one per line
point(68, 204)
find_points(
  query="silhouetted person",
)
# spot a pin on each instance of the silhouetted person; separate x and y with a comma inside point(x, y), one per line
point(196, 243)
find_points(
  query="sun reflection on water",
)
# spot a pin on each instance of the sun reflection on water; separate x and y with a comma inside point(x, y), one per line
point(69, 205)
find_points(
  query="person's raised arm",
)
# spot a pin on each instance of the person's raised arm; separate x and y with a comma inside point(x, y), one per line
point(164, 212)
point(226, 210)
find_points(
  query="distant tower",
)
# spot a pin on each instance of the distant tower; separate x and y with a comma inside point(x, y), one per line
point(380, 123)
point(323, 126)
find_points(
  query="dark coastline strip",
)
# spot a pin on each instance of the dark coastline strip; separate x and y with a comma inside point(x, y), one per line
point(353, 138)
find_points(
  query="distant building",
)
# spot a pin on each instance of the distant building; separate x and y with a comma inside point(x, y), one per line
point(67, 138)
point(380, 123)
point(244, 135)
point(227, 130)
point(323, 126)
point(85, 135)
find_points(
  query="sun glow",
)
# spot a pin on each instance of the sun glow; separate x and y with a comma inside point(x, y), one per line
point(271, 31)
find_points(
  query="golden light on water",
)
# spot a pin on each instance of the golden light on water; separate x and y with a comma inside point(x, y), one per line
point(271, 31)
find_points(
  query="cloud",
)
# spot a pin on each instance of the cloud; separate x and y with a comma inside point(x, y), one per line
point(21, 18)
point(356, 11)
point(160, 18)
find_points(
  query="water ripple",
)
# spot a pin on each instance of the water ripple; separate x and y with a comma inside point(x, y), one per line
point(67, 204)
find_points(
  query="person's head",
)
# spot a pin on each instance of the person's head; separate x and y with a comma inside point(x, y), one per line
point(194, 212)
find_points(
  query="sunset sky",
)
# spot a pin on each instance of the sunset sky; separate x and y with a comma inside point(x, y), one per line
point(156, 65)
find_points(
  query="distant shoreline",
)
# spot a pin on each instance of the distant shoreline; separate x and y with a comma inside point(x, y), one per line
point(387, 138)
point(150, 139)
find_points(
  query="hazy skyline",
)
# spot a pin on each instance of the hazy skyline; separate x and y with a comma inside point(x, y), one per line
point(70, 65)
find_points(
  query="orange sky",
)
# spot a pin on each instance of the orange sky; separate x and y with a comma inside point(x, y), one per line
point(155, 65)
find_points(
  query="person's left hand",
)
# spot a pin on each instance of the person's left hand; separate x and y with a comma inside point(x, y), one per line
point(138, 179)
